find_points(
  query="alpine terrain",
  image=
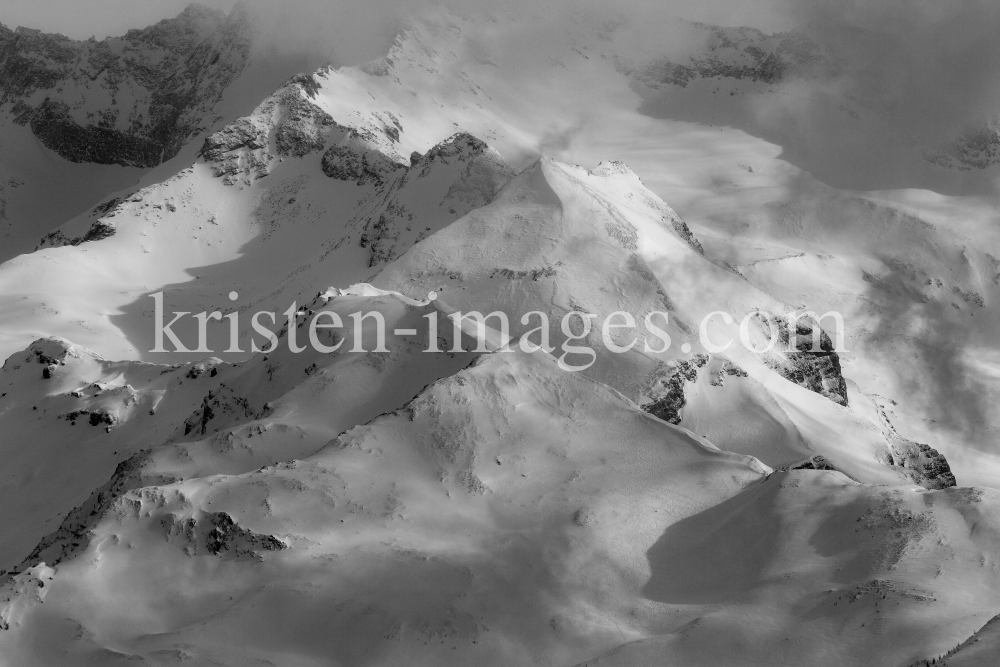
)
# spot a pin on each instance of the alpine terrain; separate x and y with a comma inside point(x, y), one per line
point(536, 340)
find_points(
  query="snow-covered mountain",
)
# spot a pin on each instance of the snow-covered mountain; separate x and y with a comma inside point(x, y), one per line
point(81, 120)
point(801, 505)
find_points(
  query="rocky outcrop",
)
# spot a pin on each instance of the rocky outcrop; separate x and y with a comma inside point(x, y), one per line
point(217, 534)
point(813, 366)
point(241, 148)
point(667, 387)
point(290, 124)
point(730, 369)
point(133, 100)
point(220, 402)
point(302, 130)
point(925, 465)
point(354, 161)
point(98, 230)
point(53, 125)
point(816, 462)
point(226, 536)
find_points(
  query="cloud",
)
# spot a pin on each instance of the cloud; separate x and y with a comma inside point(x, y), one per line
point(937, 61)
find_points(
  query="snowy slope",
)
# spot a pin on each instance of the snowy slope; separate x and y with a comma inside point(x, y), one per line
point(682, 506)
point(454, 515)
point(869, 588)
point(620, 504)
point(71, 417)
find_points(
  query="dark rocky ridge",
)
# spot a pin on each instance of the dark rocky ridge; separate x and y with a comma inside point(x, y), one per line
point(242, 150)
point(98, 230)
point(133, 100)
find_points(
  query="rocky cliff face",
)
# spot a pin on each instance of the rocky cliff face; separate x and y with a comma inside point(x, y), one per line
point(289, 123)
point(667, 387)
point(815, 367)
point(132, 100)
point(925, 465)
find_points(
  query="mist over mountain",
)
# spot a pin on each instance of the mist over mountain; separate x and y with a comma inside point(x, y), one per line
point(722, 395)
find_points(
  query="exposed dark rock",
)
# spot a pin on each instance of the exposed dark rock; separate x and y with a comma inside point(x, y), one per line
point(926, 465)
point(221, 402)
point(460, 146)
point(730, 369)
point(360, 164)
point(923, 464)
point(240, 147)
point(668, 387)
point(681, 229)
point(243, 147)
point(301, 131)
point(814, 463)
point(225, 535)
point(106, 207)
point(52, 123)
point(44, 352)
point(95, 417)
point(202, 368)
point(308, 82)
point(533, 274)
point(98, 230)
point(163, 83)
point(815, 367)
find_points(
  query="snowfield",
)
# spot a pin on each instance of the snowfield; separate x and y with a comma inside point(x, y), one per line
point(485, 506)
